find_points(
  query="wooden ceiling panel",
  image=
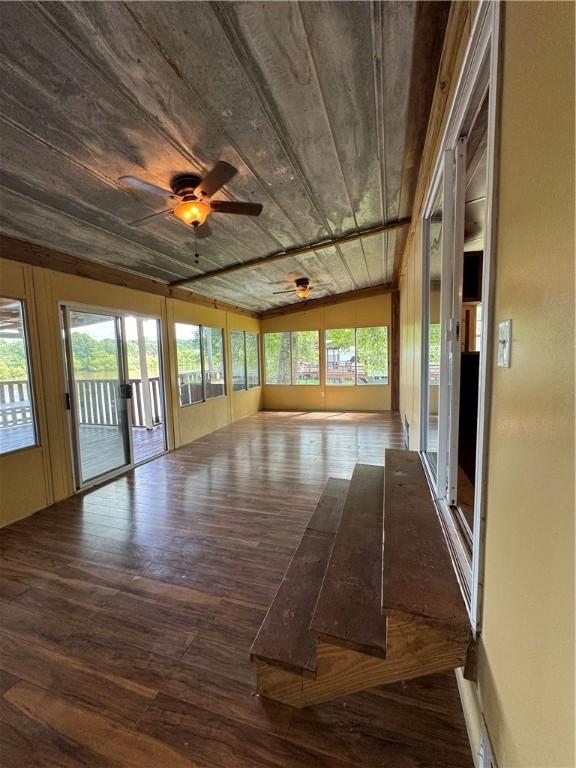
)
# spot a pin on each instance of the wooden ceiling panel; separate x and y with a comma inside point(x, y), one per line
point(321, 106)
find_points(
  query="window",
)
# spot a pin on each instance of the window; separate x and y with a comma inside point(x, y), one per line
point(277, 358)
point(200, 360)
point(357, 356)
point(305, 357)
point(372, 355)
point(17, 424)
point(340, 356)
point(213, 359)
point(245, 360)
point(292, 357)
point(238, 361)
point(252, 360)
point(189, 362)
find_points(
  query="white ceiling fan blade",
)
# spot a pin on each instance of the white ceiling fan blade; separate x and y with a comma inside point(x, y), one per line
point(145, 186)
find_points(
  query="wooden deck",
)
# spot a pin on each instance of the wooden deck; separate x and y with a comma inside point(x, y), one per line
point(127, 614)
point(101, 445)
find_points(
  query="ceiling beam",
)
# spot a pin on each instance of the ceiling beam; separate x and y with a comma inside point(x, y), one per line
point(455, 41)
point(324, 301)
point(312, 248)
point(41, 256)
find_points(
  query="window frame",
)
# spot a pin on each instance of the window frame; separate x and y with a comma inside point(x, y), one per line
point(247, 386)
point(202, 366)
point(291, 346)
point(355, 382)
point(479, 77)
point(30, 377)
point(243, 335)
point(257, 340)
point(204, 382)
point(301, 383)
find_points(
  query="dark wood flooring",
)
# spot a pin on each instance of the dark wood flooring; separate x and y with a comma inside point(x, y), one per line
point(127, 615)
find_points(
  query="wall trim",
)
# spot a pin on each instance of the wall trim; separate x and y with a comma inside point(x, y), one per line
point(472, 710)
point(41, 256)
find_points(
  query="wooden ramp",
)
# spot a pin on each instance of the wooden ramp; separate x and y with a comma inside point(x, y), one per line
point(369, 598)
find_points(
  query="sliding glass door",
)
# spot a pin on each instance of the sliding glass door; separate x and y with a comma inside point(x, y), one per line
point(115, 391)
point(97, 393)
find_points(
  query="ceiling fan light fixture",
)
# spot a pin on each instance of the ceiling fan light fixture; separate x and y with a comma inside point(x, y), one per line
point(303, 291)
point(193, 212)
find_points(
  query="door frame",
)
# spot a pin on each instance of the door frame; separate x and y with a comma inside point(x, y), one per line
point(479, 75)
point(120, 315)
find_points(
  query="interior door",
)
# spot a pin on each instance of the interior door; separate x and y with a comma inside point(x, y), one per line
point(98, 394)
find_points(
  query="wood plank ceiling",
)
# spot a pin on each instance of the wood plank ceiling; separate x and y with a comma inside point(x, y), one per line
point(321, 106)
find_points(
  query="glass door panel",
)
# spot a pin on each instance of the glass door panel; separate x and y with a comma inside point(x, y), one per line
point(433, 345)
point(98, 393)
point(144, 365)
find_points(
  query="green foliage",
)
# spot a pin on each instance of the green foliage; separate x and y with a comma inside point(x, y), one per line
point(213, 354)
point(305, 357)
point(369, 346)
point(252, 359)
point(188, 355)
point(301, 349)
point(13, 364)
point(277, 358)
point(98, 358)
point(340, 338)
point(434, 344)
point(238, 359)
point(372, 351)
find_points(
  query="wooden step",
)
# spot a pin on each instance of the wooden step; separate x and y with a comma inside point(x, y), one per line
point(348, 612)
point(418, 578)
point(427, 624)
point(284, 639)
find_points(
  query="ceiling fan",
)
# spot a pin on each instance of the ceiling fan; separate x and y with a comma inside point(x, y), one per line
point(194, 195)
point(302, 287)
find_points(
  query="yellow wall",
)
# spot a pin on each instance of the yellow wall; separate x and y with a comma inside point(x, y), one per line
point(526, 678)
point(193, 421)
point(525, 687)
point(33, 478)
point(25, 476)
point(370, 311)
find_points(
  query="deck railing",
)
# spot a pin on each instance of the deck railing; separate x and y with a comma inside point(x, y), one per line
point(15, 406)
point(97, 401)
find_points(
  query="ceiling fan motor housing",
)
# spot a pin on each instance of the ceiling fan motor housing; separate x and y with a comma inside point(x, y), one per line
point(302, 282)
point(185, 184)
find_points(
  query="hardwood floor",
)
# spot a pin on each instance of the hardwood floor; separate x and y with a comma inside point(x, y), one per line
point(127, 615)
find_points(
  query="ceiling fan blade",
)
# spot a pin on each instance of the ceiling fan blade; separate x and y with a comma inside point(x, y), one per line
point(321, 285)
point(290, 291)
point(136, 183)
point(151, 216)
point(244, 209)
point(218, 176)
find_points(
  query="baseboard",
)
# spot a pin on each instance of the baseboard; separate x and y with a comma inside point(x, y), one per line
point(472, 713)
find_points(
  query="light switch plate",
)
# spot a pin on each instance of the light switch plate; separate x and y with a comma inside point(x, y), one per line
point(504, 343)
